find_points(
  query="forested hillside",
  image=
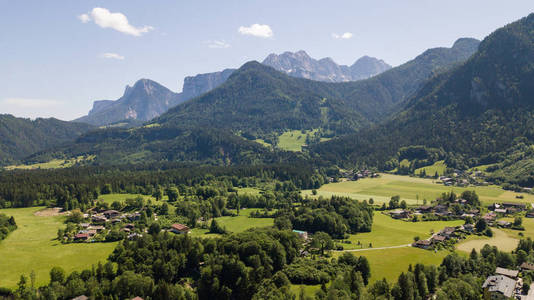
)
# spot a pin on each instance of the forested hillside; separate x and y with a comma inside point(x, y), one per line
point(21, 137)
point(473, 112)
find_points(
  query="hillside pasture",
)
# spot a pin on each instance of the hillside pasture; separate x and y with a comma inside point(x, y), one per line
point(500, 238)
point(33, 247)
point(388, 232)
point(411, 189)
point(236, 224)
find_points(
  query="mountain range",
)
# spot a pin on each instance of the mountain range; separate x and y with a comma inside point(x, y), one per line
point(148, 99)
point(474, 112)
point(257, 101)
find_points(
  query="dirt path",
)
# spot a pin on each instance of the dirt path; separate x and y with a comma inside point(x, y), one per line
point(49, 212)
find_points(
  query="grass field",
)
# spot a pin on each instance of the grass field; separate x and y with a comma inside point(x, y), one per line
point(293, 140)
point(53, 164)
point(438, 167)
point(33, 247)
point(409, 189)
point(388, 232)
point(236, 224)
point(390, 263)
point(501, 239)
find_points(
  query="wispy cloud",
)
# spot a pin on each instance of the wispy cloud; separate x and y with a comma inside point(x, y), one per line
point(112, 55)
point(257, 30)
point(30, 102)
point(117, 21)
point(216, 44)
point(343, 36)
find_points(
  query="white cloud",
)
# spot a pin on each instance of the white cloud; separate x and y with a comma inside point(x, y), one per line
point(215, 44)
point(344, 36)
point(84, 18)
point(30, 102)
point(257, 30)
point(112, 55)
point(106, 19)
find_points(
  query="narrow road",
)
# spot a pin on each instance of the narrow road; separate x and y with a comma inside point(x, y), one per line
point(378, 248)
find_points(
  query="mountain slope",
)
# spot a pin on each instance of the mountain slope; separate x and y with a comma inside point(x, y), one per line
point(21, 137)
point(300, 64)
point(144, 101)
point(474, 112)
point(257, 99)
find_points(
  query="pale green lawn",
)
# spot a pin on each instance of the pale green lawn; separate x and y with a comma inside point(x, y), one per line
point(438, 166)
point(33, 247)
point(292, 140)
point(388, 232)
point(390, 263)
point(249, 191)
point(501, 239)
point(236, 224)
point(409, 189)
point(53, 164)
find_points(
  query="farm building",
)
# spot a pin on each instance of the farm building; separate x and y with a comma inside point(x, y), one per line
point(499, 285)
point(179, 228)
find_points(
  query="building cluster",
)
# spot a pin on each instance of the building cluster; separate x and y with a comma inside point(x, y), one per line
point(444, 235)
point(355, 175)
point(506, 283)
point(464, 178)
point(440, 211)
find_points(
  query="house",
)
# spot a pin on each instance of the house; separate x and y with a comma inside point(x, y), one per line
point(504, 224)
point(399, 214)
point(82, 297)
point(518, 206)
point(98, 219)
point(84, 225)
point(134, 216)
point(134, 235)
point(81, 237)
point(507, 272)
point(527, 266)
point(423, 244)
point(468, 227)
point(91, 232)
point(440, 208)
point(499, 285)
point(129, 226)
point(179, 228)
point(137, 298)
point(489, 217)
point(500, 210)
point(111, 214)
point(530, 214)
point(301, 234)
point(438, 238)
point(98, 228)
point(425, 209)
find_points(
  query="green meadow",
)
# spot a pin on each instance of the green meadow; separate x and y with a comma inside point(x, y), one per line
point(411, 189)
point(33, 247)
point(236, 224)
point(438, 167)
point(387, 232)
point(53, 164)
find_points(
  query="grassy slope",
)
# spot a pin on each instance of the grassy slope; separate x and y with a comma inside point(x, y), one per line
point(409, 188)
point(438, 166)
point(236, 224)
point(33, 247)
point(500, 239)
point(53, 164)
point(293, 140)
point(388, 232)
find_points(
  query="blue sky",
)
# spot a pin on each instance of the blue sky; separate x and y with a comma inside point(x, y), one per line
point(57, 57)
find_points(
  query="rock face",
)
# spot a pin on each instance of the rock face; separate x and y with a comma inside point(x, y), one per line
point(300, 64)
point(202, 83)
point(144, 101)
point(366, 67)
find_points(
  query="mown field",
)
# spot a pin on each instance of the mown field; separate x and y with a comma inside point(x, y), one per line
point(236, 224)
point(411, 189)
point(438, 167)
point(33, 246)
point(389, 232)
point(500, 238)
point(53, 164)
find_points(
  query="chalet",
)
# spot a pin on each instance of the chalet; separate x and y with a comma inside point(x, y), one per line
point(134, 235)
point(460, 201)
point(82, 297)
point(438, 238)
point(115, 221)
point(98, 228)
point(84, 225)
point(81, 237)
point(468, 227)
point(130, 226)
point(137, 298)
point(423, 244)
point(179, 228)
point(499, 286)
point(91, 232)
point(399, 214)
point(98, 219)
point(125, 229)
point(440, 208)
point(514, 205)
point(530, 214)
point(447, 232)
point(526, 267)
point(111, 214)
point(507, 272)
point(425, 209)
point(500, 211)
point(464, 216)
point(504, 224)
point(302, 234)
point(489, 217)
point(133, 217)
